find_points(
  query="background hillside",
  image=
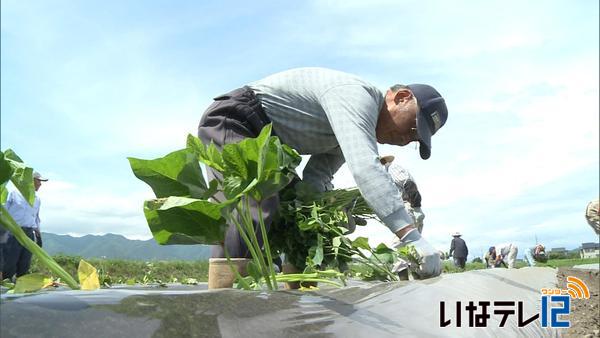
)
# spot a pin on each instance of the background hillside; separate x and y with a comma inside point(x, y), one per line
point(117, 246)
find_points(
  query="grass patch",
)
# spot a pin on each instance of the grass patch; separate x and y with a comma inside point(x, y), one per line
point(119, 271)
point(448, 265)
point(555, 263)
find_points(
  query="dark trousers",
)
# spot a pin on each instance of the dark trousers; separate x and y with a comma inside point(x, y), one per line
point(460, 262)
point(16, 259)
point(229, 119)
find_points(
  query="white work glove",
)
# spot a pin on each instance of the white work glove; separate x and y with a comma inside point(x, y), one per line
point(430, 260)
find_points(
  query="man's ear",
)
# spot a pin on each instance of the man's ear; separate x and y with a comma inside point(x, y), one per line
point(403, 95)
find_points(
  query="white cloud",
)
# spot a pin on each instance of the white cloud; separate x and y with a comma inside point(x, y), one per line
point(69, 208)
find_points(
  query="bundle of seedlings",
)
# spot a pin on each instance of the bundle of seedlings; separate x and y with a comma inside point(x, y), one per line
point(312, 228)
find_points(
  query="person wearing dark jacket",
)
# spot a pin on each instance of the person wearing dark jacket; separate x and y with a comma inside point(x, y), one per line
point(459, 250)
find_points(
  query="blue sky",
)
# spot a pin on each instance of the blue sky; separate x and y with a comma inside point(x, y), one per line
point(86, 84)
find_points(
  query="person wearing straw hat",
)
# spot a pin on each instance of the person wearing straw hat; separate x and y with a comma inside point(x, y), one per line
point(16, 258)
point(458, 250)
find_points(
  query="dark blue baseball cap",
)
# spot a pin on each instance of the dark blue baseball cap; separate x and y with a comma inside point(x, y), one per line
point(432, 115)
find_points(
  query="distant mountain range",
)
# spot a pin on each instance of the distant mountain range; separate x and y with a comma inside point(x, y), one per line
point(117, 246)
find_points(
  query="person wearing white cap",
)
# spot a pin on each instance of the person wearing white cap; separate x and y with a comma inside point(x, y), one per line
point(17, 258)
point(408, 189)
point(535, 255)
point(459, 250)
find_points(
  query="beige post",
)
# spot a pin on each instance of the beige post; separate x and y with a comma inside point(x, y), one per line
point(219, 272)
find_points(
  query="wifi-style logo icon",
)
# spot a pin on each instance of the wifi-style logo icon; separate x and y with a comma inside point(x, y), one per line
point(577, 288)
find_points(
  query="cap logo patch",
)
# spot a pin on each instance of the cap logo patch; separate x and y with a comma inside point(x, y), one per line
point(437, 122)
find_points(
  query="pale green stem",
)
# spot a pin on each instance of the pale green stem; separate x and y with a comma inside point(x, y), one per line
point(245, 212)
point(267, 246)
point(244, 237)
point(380, 268)
point(373, 266)
point(9, 223)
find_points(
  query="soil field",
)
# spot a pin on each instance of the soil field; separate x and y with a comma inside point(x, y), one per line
point(585, 313)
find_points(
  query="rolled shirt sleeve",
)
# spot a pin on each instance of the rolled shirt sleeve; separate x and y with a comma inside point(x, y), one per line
point(353, 112)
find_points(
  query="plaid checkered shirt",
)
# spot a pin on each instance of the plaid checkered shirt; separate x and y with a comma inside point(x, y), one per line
point(332, 116)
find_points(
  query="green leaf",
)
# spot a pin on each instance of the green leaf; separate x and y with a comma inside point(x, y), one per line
point(387, 258)
point(11, 155)
point(182, 220)
point(233, 186)
point(177, 174)
point(88, 276)
point(272, 183)
point(193, 143)
point(383, 249)
point(6, 171)
point(336, 242)
point(261, 143)
point(208, 155)
point(216, 159)
point(32, 282)
point(361, 243)
point(254, 270)
point(235, 161)
point(318, 257)
point(3, 194)
point(22, 176)
point(213, 187)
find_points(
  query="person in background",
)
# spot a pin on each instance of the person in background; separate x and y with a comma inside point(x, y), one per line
point(536, 254)
point(504, 253)
point(490, 259)
point(592, 215)
point(16, 259)
point(459, 250)
point(408, 188)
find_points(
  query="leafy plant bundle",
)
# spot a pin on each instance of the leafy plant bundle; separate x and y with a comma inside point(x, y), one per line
point(184, 211)
point(312, 228)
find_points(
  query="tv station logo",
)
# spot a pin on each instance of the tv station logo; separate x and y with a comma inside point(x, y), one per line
point(576, 289)
point(555, 306)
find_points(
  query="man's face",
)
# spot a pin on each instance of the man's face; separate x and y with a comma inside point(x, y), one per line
point(399, 127)
point(37, 184)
